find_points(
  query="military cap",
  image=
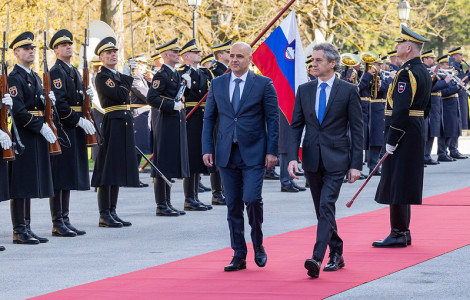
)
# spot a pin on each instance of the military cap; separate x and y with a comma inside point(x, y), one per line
point(190, 47)
point(106, 44)
point(171, 45)
point(225, 46)
point(456, 50)
point(207, 58)
point(61, 37)
point(392, 53)
point(308, 62)
point(443, 59)
point(429, 53)
point(156, 56)
point(23, 40)
point(408, 35)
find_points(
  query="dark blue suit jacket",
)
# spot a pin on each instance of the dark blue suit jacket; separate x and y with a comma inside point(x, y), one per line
point(256, 121)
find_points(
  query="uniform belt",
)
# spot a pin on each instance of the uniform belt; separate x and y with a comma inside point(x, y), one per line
point(378, 100)
point(37, 113)
point(365, 98)
point(188, 104)
point(451, 96)
point(436, 94)
point(77, 108)
point(116, 107)
point(413, 113)
point(167, 98)
point(135, 105)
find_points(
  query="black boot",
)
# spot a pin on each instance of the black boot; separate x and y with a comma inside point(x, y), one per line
point(2, 248)
point(197, 178)
point(190, 202)
point(168, 200)
point(114, 199)
point(160, 190)
point(58, 226)
point(20, 234)
point(217, 193)
point(399, 222)
point(65, 213)
point(27, 219)
point(104, 204)
point(396, 239)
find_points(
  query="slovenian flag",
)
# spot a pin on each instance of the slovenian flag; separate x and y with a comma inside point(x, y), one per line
point(281, 58)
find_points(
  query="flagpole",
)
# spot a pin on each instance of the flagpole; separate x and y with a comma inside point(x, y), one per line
point(252, 44)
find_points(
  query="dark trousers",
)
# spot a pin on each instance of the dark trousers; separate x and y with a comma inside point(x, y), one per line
point(284, 174)
point(242, 186)
point(373, 156)
point(447, 143)
point(428, 147)
point(325, 187)
point(400, 216)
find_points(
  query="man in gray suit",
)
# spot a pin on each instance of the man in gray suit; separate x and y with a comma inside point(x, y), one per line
point(330, 110)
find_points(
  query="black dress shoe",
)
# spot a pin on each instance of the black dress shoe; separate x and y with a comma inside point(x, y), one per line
point(40, 239)
point(170, 206)
point(289, 189)
point(236, 264)
point(335, 263)
point(396, 239)
point(457, 155)
point(313, 266)
point(218, 200)
point(24, 238)
point(141, 184)
point(191, 205)
point(445, 158)
point(62, 230)
point(77, 231)
point(271, 175)
point(298, 187)
point(260, 256)
point(203, 188)
point(430, 161)
point(2, 248)
point(124, 223)
point(109, 222)
point(165, 211)
point(208, 206)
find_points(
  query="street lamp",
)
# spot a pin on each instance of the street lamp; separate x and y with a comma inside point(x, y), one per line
point(404, 9)
point(194, 4)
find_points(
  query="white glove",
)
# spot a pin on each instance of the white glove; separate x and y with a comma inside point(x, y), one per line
point(188, 80)
point(46, 131)
point(89, 92)
point(390, 148)
point(52, 97)
point(86, 126)
point(133, 64)
point(178, 106)
point(7, 100)
point(5, 140)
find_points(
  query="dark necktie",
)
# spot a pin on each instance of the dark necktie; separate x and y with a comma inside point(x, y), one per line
point(236, 95)
point(322, 102)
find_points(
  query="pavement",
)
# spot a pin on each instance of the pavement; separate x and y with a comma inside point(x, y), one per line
point(31, 270)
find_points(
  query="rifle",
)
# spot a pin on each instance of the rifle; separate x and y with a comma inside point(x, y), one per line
point(54, 149)
point(90, 138)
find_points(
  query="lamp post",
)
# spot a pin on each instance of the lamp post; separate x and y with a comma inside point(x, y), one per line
point(194, 4)
point(404, 9)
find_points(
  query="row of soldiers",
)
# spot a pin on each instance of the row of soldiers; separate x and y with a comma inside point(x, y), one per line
point(176, 143)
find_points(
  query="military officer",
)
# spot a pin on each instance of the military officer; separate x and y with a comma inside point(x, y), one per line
point(395, 61)
point(408, 101)
point(200, 82)
point(450, 116)
point(457, 54)
point(140, 109)
point(157, 61)
point(70, 169)
point(308, 63)
point(116, 161)
point(33, 166)
point(5, 143)
point(97, 112)
point(207, 61)
point(170, 146)
point(222, 58)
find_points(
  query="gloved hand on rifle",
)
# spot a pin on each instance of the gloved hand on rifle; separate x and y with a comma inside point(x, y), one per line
point(89, 92)
point(390, 149)
point(86, 126)
point(133, 64)
point(178, 106)
point(7, 100)
point(187, 78)
point(51, 96)
point(5, 140)
point(47, 133)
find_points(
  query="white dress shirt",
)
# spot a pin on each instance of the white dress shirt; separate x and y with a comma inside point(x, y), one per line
point(327, 91)
point(241, 84)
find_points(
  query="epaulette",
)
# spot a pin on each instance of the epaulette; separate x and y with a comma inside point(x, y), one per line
point(407, 67)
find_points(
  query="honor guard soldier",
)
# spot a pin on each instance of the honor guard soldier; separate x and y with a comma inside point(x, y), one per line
point(70, 169)
point(450, 116)
point(140, 109)
point(157, 61)
point(222, 58)
point(457, 55)
point(97, 111)
point(433, 123)
point(207, 61)
point(408, 102)
point(116, 162)
point(200, 82)
point(170, 148)
point(30, 173)
point(5, 144)
point(395, 62)
point(308, 62)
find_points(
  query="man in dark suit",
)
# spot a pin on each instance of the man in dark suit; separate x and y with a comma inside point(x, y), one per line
point(247, 142)
point(330, 110)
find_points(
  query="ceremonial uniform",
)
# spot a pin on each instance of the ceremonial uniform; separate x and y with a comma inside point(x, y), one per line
point(30, 173)
point(401, 183)
point(4, 188)
point(451, 121)
point(141, 113)
point(364, 92)
point(170, 148)
point(116, 162)
point(219, 68)
point(434, 126)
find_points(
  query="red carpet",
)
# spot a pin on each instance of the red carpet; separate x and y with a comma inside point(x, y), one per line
point(435, 230)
